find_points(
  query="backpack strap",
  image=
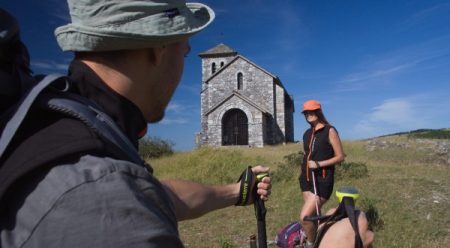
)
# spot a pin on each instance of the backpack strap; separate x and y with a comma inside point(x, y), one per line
point(349, 205)
point(346, 209)
point(26, 102)
point(75, 106)
point(90, 114)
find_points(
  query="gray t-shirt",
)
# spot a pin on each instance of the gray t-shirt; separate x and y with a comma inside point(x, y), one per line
point(97, 202)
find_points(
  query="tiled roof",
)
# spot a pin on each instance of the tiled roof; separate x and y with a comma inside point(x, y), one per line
point(220, 49)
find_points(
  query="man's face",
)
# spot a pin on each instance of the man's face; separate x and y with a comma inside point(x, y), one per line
point(172, 64)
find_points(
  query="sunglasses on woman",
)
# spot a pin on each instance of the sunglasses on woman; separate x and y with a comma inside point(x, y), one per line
point(306, 113)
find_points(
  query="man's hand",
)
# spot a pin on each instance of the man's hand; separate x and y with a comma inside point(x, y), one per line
point(264, 186)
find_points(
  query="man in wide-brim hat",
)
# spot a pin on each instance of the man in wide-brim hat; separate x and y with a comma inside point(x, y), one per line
point(129, 58)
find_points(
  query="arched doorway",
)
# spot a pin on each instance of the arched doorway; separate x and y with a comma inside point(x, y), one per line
point(234, 128)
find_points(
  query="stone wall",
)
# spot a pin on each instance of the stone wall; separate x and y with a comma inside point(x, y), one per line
point(262, 100)
point(255, 122)
point(436, 150)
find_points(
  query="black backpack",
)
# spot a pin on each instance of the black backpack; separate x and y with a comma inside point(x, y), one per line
point(19, 90)
point(15, 73)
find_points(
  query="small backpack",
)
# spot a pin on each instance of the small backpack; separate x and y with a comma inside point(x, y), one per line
point(290, 236)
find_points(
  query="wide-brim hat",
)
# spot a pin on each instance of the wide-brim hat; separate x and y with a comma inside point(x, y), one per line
point(108, 25)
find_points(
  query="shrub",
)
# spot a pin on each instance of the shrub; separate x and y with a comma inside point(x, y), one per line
point(430, 134)
point(351, 170)
point(289, 167)
point(225, 243)
point(154, 147)
point(373, 217)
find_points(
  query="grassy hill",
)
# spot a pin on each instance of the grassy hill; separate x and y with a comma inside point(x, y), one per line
point(443, 133)
point(404, 184)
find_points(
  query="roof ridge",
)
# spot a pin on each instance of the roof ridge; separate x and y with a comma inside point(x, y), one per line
point(220, 49)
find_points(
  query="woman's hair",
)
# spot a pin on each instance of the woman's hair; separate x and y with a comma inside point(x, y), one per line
point(321, 116)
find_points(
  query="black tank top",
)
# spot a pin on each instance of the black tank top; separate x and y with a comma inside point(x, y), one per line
point(317, 146)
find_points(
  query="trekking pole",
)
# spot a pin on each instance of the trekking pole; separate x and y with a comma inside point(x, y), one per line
point(315, 194)
point(260, 212)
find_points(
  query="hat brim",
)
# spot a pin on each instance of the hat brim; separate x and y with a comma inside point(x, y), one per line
point(309, 110)
point(148, 31)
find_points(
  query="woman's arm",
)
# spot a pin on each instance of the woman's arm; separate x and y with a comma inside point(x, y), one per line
point(335, 142)
point(192, 200)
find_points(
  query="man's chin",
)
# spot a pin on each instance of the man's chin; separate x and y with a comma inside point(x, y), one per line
point(156, 118)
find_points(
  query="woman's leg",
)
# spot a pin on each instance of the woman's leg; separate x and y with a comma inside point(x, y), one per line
point(309, 209)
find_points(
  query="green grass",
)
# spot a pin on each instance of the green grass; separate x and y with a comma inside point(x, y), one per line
point(404, 189)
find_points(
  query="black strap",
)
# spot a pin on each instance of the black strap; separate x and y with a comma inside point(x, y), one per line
point(349, 205)
point(25, 104)
point(90, 114)
point(76, 107)
point(247, 181)
point(345, 209)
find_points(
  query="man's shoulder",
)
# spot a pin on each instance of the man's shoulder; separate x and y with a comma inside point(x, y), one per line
point(96, 197)
point(44, 140)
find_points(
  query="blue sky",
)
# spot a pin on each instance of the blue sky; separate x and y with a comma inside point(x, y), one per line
point(377, 67)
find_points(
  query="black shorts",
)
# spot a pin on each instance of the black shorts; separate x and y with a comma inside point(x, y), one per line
point(324, 185)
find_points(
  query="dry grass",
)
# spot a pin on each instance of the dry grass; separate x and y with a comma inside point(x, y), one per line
point(409, 190)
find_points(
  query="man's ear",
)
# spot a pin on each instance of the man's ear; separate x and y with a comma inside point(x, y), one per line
point(155, 54)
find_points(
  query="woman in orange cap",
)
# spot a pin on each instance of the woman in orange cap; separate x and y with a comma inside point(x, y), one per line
point(323, 149)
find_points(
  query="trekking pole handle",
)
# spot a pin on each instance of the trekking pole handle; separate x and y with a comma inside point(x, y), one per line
point(259, 178)
point(261, 175)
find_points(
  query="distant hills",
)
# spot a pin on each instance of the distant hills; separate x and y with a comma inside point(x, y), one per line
point(442, 133)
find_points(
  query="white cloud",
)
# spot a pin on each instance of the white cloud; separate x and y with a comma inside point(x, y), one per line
point(58, 9)
point(177, 113)
point(49, 66)
point(433, 11)
point(191, 89)
point(405, 114)
point(398, 112)
point(175, 107)
point(385, 68)
point(393, 115)
point(169, 121)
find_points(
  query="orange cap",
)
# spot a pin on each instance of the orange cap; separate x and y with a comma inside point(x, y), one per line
point(311, 105)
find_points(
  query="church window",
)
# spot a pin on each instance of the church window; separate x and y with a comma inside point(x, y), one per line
point(240, 82)
point(213, 68)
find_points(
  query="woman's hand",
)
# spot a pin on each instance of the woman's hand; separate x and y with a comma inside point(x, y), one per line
point(313, 164)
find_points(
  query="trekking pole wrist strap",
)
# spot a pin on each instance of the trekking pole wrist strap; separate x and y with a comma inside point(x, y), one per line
point(247, 179)
point(318, 165)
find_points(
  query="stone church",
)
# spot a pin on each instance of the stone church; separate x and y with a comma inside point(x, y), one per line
point(242, 104)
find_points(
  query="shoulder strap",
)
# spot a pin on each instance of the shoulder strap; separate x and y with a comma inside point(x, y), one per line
point(26, 102)
point(75, 106)
point(345, 209)
point(90, 114)
point(349, 205)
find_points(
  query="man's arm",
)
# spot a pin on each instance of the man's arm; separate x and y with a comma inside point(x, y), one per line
point(192, 200)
